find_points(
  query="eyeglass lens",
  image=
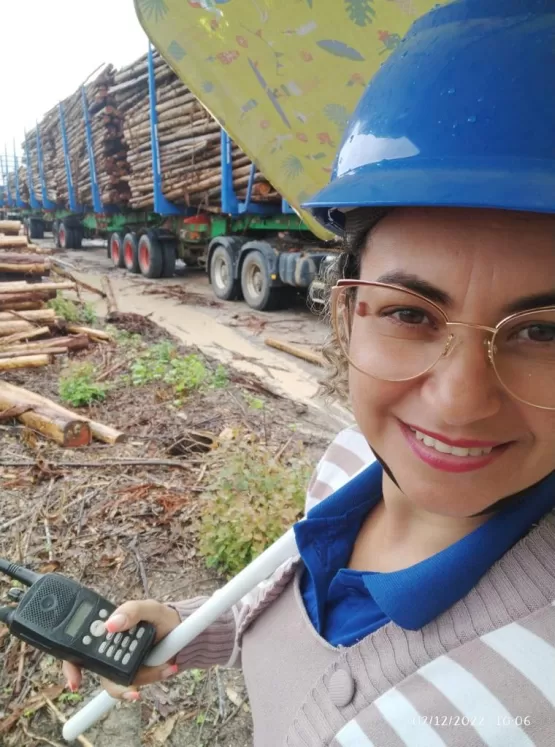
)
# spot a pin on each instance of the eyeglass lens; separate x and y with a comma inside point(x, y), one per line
point(392, 335)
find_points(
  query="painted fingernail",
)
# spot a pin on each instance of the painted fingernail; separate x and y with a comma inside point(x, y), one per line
point(73, 687)
point(170, 671)
point(116, 622)
point(131, 695)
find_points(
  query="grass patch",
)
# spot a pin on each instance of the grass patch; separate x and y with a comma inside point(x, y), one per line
point(163, 363)
point(72, 312)
point(78, 386)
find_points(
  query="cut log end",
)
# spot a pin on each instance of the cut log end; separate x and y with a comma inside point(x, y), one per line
point(76, 435)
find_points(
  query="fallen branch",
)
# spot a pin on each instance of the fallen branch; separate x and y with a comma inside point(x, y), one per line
point(24, 361)
point(38, 737)
point(60, 716)
point(306, 355)
point(109, 294)
point(44, 416)
point(20, 667)
point(100, 464)
point(21, 286)
point(140, 566)
point(95, 334)
point(6, 342)
point(102, 432)
point(57, 270)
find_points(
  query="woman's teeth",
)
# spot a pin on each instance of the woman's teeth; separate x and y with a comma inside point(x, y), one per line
point(459, 451)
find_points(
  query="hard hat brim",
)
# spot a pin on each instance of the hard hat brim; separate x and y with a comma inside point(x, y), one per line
point(520, 185)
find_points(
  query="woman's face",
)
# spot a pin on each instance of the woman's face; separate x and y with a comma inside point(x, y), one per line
point(484, 260)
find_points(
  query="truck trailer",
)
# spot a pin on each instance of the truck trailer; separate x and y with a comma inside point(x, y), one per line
point(259, 251)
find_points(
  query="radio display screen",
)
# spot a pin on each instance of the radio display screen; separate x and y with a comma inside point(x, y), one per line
point(81, 614)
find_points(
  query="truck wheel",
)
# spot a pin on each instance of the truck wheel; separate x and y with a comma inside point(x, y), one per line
point(224, 284)
point(116, 249)
point(151, 256)
point(257, 285)
point(131, 253)
point(169, 248)
point(77, 241)
point(35, 229)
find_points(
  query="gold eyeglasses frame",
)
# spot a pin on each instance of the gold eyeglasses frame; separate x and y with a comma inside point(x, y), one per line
point(489, 342)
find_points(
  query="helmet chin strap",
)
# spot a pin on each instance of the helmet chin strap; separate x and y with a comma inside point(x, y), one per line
point(498, 505)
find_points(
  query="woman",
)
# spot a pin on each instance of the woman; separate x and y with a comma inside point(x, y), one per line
point(421, 610)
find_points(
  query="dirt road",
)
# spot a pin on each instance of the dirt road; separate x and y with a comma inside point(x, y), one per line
point(228, 331)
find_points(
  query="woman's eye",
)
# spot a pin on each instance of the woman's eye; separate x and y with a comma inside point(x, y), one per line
point(541, 333)
point(409, 316)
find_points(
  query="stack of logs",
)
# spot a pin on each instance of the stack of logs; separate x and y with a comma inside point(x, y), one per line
point(119, 112)
point(189, 138)
point(30, 332)
point(108, 147)
point(31, 336)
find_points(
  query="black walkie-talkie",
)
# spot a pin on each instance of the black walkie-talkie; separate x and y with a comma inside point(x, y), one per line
point(65, 619)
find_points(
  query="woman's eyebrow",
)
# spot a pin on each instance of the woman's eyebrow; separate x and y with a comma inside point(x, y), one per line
point(418, 285)
point(529, 303)
point(428, 290)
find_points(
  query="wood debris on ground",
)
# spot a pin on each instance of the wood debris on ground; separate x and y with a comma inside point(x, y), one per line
point(182, 294)
point(122, 519)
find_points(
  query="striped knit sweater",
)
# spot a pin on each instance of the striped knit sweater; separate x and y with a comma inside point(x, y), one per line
point(482, 673)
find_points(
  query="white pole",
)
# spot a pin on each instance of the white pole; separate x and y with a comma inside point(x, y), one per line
point(221, 601)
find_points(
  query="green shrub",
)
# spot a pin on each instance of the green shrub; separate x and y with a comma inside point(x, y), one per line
point(72, 312)
point(252, 502)
point(78, 386)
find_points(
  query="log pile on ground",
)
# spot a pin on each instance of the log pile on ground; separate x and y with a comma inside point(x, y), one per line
point(119, 112)
point(51, 419)
point(31, 333)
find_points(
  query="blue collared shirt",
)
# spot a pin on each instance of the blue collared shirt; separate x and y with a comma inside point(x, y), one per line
point(346, 605)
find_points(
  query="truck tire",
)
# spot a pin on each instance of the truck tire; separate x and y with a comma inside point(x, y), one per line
point(169, 248)
point(35, 228)
point(256, 284)
point(131, 253)
point(151, 255)
point(78, 235)
point(115, 243)
point(224, 284)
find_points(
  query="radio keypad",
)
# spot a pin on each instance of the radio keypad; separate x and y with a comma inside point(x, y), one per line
point(114, 645)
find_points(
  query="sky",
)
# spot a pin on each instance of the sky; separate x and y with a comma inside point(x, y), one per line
point(49, 47)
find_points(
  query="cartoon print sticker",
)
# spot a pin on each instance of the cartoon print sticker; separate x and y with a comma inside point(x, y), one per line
point(340, 49)
point(360, 12)
point(153, 9)
point(176, 51)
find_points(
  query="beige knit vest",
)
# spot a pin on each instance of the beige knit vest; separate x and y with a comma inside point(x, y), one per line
point(305, 693)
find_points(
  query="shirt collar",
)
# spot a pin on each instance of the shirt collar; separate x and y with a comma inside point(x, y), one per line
point(413, 596)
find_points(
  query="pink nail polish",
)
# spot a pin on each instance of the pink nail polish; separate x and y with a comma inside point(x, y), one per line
point(132, 696)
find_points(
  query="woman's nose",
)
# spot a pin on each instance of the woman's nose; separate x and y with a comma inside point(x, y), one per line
point(463, 385)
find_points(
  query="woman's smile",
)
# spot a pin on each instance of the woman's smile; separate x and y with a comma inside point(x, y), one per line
point(452, 457)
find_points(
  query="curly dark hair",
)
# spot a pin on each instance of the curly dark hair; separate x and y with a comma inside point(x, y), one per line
point(358, 225)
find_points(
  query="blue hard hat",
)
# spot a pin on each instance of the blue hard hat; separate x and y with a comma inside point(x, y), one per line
point(462, 114)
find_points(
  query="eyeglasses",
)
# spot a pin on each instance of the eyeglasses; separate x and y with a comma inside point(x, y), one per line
point(394, 334)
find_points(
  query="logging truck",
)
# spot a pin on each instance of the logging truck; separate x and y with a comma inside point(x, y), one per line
point(205, 149)
point(236, 227)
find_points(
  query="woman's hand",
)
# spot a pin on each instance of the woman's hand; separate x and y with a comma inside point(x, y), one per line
point(123, 618)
